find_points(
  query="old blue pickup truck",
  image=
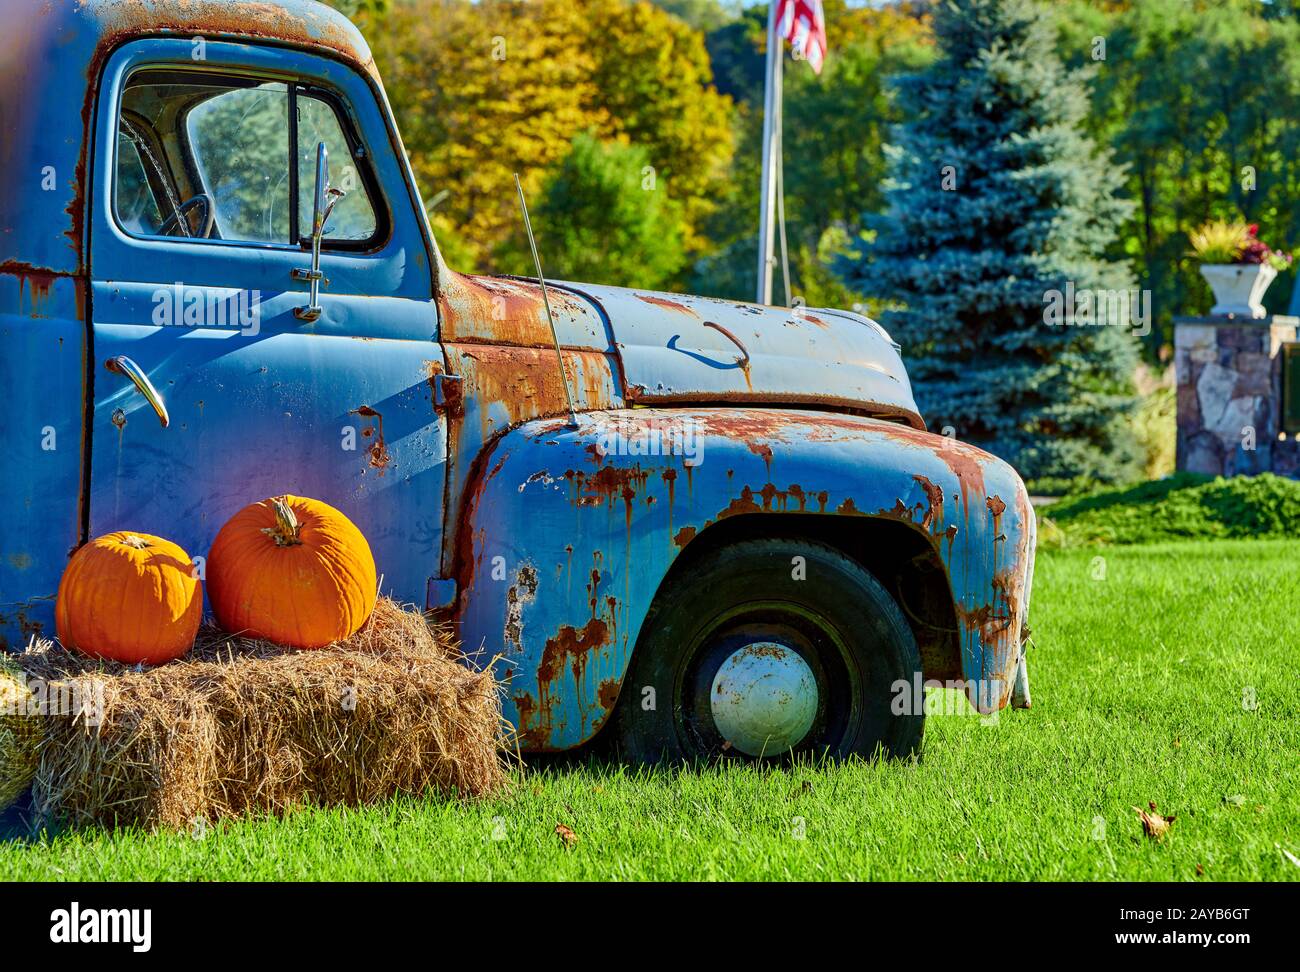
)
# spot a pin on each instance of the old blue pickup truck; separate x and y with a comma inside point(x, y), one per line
point(218, 284)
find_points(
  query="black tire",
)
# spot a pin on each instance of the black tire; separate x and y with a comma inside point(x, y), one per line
point(838, 617)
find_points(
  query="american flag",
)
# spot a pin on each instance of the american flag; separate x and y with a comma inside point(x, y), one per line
point(803, 24)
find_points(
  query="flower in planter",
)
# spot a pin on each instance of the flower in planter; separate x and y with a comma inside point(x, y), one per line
point(1257, 251)
point(1219, 241)
point(1238, 266)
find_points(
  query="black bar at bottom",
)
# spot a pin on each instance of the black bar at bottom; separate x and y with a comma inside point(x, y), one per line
point(369, 921)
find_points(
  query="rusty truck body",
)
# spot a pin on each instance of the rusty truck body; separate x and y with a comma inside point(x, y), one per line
point(740, 542)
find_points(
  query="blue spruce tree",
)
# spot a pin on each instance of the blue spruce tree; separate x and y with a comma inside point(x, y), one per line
point(996, 203)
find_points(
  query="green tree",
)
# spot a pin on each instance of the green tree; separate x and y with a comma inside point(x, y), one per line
point(835, 127)
point(654, 81)
point(480, 92)
point(996, 201)
point(599, 219)
point(1200, 101)
point(736, 52)
point(484, 90)
point(702, 14)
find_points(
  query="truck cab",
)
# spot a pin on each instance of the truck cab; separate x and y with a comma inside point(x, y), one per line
point(689, 526)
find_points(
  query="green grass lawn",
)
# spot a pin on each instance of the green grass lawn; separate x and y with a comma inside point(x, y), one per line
point(1161, 673)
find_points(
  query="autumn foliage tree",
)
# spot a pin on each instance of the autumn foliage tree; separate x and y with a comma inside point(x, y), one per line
point(485, 90)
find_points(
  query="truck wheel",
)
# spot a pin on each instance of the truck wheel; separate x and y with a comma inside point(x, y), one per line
point(770, 649)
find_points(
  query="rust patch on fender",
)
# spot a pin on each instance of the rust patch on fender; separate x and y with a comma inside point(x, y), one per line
point(670, 479)
point(744, 503)
point(933, 517)
point(966, 467)
point(1008, 585)
point(517, 595)
point(526, 705)
point(572, 645)
point(607, 694)
point(684, 536)
point(899, 511)
point(607, 484)
point(962, 459)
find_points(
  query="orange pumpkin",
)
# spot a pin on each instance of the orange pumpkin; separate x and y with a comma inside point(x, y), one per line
point(292, 570)
point(129, 597)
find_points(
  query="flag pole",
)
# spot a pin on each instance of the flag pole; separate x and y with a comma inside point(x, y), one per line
point(771, 145)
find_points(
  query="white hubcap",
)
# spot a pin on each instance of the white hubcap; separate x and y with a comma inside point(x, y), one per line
point(764, 699)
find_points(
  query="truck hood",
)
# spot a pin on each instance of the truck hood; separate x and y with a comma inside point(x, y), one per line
point(677, 349)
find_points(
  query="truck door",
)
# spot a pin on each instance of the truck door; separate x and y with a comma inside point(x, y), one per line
point(210, 392)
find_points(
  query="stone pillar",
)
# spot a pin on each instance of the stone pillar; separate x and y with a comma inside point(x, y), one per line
point(1229, 380)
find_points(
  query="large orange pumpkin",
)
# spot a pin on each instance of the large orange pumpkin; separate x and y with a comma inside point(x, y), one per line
point(292, 570)
point(130, 597)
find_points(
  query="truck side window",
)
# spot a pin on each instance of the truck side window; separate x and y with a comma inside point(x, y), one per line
point(136, 205)
point(354, 216)
point(240, 141)
point(208, 156)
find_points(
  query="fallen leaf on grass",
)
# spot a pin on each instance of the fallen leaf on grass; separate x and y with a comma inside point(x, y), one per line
point(1154, 824)
point(567, 837)
point(1237, 800)
point(1288, 855)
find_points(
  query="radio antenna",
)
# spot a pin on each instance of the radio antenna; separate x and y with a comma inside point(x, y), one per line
point(537, 262)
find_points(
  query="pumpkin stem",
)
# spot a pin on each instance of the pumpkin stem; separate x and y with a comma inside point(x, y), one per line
point(286, 529)
point(139, 543)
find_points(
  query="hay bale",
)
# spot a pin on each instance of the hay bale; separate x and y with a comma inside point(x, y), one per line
point(21, 731)
point(244, 726)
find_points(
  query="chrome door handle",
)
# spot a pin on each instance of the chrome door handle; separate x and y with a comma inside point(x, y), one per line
point(122, 365)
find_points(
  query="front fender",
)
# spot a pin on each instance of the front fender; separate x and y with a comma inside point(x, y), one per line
point(570, 531)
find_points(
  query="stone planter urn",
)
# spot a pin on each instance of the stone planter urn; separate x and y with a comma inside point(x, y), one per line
point(1238, 287)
